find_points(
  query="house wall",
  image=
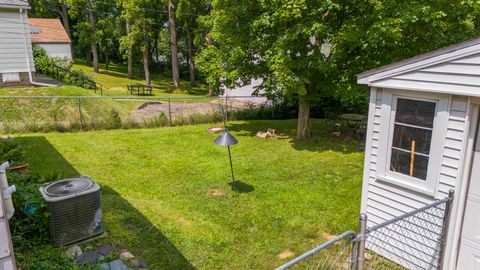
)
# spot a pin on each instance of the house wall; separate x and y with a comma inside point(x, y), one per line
point(382, 200)
point(6, 249)
point(61, 50)
point(13, 55)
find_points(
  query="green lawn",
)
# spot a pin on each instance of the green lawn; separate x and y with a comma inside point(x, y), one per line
point(157, 186)
point(115, 81)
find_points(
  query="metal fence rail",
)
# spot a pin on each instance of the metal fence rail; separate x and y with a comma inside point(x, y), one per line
point(28, 114)
point(334, 254)
point(414, 240)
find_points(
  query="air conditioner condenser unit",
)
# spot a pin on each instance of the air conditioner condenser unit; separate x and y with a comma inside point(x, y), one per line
point(74, 208)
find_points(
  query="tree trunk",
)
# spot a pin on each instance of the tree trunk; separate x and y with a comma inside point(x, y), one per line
point(129, 55)
point(173, 43)
point(93, 41)
point(146, 61)
point(303, 122)
point(88, 57)
point(66, 25)
point(107, 60)
point(191, 61)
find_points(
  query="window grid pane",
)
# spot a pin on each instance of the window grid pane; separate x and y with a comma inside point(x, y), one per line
point(412, 135)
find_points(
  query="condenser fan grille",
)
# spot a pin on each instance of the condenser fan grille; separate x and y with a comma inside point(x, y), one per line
point(68, 186)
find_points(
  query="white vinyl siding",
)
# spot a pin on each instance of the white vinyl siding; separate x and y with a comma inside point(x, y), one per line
point(60, 50)
point(459, 76)
point(383, 200)
point(6, 250)
point(12, 42)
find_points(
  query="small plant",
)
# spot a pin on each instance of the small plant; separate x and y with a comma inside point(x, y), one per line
point(10, 151)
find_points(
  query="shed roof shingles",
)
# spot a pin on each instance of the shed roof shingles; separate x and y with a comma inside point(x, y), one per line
point(51, 31)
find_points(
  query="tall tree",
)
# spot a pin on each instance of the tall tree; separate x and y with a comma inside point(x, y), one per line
point(187, 14)
point(129, 52)
point(93, 39)
point(282, 42)
point(66, 25)
point(173, 43)
point(142, 17)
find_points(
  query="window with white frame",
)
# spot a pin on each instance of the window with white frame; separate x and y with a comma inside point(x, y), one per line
point(412, 137)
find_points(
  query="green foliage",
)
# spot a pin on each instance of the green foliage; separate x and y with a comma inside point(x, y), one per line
point(30, 223)
point(10, 151)
point(60, 69)
point(280, 41)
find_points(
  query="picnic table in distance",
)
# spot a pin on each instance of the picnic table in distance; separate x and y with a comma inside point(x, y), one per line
point(358, 122)
point(140, 89)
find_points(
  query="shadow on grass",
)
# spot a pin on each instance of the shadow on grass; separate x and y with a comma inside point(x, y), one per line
point(241, 187)
point(127, 227)
point(323, 140)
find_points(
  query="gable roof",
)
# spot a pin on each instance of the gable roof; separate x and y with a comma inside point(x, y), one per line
point(440, 56)
point(47, 31)
point(14, 4)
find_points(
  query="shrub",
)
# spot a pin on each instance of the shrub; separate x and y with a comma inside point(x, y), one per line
point(30, 224)
point(11, 152)
point(60, 69)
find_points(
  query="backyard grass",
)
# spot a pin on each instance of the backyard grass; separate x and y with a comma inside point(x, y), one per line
point(115, 81)
point(166, 195)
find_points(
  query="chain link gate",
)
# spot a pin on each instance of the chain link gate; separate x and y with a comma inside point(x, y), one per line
point(415, 240)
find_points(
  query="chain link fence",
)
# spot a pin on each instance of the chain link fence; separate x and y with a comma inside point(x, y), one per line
point(28, 114)
point(337, 253)
point(414, 240)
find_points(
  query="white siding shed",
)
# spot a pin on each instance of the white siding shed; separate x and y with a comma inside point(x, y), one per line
point(450, 79)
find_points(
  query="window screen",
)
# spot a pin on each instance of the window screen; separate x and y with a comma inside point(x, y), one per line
point(412, 136)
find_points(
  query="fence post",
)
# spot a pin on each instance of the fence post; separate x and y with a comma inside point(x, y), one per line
point(169, 113)
point(362, 237)
point(80, 114)
point(445, 223)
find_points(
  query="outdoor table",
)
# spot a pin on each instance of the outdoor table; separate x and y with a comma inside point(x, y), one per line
point(139, 89)
point(355, 121)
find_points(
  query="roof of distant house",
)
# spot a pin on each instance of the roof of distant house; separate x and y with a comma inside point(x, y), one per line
point(14, 4)
point(47, 31)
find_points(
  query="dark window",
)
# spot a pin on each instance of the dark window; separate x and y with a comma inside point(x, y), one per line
point(412, 136)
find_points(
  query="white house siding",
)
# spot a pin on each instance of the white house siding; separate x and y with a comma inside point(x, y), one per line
point(12, 42)
point(458, 76)
point(61, 50)
point(6, 249)
point(382, 200)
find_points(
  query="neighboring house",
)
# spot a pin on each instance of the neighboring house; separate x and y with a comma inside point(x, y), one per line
point(245, 92)
point(422, 141)
point(51, 36)
point(16, 59)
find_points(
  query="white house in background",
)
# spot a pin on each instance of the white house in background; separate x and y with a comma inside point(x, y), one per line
point(245, 92)
point(51, 36)
point(16, 59)
point(428, 105)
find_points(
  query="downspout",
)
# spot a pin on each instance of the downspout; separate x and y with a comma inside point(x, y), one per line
point(6, 190)
point(29, 65)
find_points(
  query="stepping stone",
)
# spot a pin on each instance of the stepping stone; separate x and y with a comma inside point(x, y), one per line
point(126, 256)
point(74, 251)
point(142, 264)
point(89, 257)
point(105, 250)
point(104, 266)
point(118, 265)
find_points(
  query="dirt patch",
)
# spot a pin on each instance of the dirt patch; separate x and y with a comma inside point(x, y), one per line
point(216, 192)
point(184, 109)
point(285, 254)
point(328, 236)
